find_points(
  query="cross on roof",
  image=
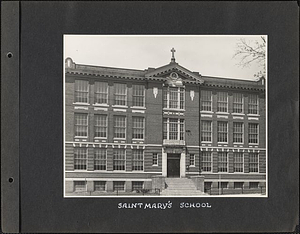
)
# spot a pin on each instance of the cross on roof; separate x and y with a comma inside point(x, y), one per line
point(173, 58)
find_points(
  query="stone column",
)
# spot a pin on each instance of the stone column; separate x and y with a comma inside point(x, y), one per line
point(164, 163)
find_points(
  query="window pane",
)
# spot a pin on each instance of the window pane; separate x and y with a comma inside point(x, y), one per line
point(119, 185)
point(137, 185)
point(253, 162)
point(137, 160)
point(238, 162)
point(81, 91)
point(206, 131)
point(253, 133)
point(222, 102)
point(101, 126)
point(120, 127)
point(119, 159)
point(238, 132)
point(222, 161)
point(81, 124)
point(99, 185)
point(192, 159)
point(100, 159)
point(173, 129)
point(138, 127)
point(206, 100)
point(237, 103)
point(155, 159)
point(138, 95)
point(80, 158)
point(206, 161)
point(120, 94)
point(101, 92)
point(79, 186)
point(253, 104)
point(222, 132)
point(174, 97)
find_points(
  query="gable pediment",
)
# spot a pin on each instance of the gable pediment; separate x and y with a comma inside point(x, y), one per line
point(174, 71)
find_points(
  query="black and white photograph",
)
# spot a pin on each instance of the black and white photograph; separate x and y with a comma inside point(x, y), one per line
point(175, 116)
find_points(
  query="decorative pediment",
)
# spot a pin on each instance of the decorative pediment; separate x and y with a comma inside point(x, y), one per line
point(175, 74)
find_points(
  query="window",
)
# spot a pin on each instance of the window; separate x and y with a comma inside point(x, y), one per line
point(238, 162)
point(224, 185)
point(253, 162)
point(120, 127)
point(100, 126)
point(120, 94)
point(138, 95)
point(101, 93)
point(99, 185)
point(154, 159)
point(253, 104)
point(238, 132)
point(192, 159)
point(119, 160)
point(138, 127)
point(253, 185)
point(100, 159)
point(137, 160)
point(80, 158)
point(119, 185)
point(222, 102)
point(137, 185)
point(222, 132)
point(237, 103)
point(174, 98)
point(206, 131)
point(253, 133)
point(222, 162)
point(238, 185)
point(206, 161)
point(173, 129)
point(81, 125)
point(206, 100)
point(81, 91)
point(79, 186)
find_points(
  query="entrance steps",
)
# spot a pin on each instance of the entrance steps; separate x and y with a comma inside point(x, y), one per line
point(180, 187)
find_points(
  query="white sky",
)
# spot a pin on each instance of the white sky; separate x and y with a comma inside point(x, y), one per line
point(208, 55)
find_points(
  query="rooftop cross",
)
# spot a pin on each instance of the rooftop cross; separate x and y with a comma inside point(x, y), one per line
point(173, 58)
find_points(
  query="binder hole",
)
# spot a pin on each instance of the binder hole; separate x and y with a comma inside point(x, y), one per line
point(10, 180)
point(9, 55)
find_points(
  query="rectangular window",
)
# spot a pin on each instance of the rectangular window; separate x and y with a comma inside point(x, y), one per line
point(206, 100)
point(138, 95)
point(206, 131)
point(138, 127)
point(253, 185)
point(238, 162)
point(206, 161)
point(238, 103)
point(238, 132)
point(79, 186)
point(137, 160)
point(253, 104)
point(101, 93)
point(253, 162)
point(100, 159)
point(253, 133)
point(207, 186)
point(174, 98)
point(154, 159)
point(174, 129)
point(99, 185)
point(238, 185)
point(100, 126)
point(224, 185)
point(80, 158)
point(81, 125)
point(120, 94)
point(222, 103)
point(81, 91)
point(119, 160)
point(192, 159)
point(222, 132)
point(119, 185)
point(137, 185)
point(120, 127)
point(222, 162)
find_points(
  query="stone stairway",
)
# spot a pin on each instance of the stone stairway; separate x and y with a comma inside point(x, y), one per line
point(180, 187)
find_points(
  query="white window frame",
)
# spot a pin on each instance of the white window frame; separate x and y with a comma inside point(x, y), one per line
point(211, 137)
point(114, 119)
point(218, 132)
point(210, 161)
point(254, 172)
point(87, 125)
point(124, 184)
point(133, 128)
point(95, 126)
point(99, 181)
point(107, 88)
point(77, 91)
point(119, 160)
point(179, 91)
point(253, 133)
point(133, 96)
point(193, 160)
point(154, 158)
point(133, 161)
point(85, 183)
point(243, 129)
point(235, 163)
point(100, 159)
point(202, 96)
point(227, 164)
point(178, 129)
point(222, 102)
point(257, 105)
point(116, 94)
point(80, 158)
point(233, 103)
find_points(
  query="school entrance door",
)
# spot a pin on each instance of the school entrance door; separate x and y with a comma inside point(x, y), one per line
point(173, 165)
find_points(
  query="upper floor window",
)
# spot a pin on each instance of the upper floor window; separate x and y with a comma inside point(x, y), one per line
point(120, 94)
point(120, 127)
point(119, 159)
point(100, 126)
point(81, 125)
point(253, 133)
point(253, 162)
point(206, 100)
point(206, 161)
point(222, 132)
point(222, 104)
point(155, 159)
point(173, 129)
point(81, 91)
point(101, 93)
point(138, 126)
point(253, 104)
point(192, 160)
point(80, 158)
point(238, 132)
point(206, 131)
point(137, 160)
point(238, 162)
point(222, 162)
point(174, 98)
point(138, 95)
point(238, 103)
point(100, 159)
